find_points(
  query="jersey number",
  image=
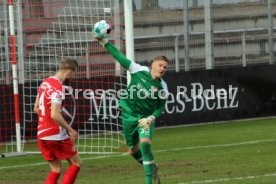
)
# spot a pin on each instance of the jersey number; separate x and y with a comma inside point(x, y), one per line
point(41, 104)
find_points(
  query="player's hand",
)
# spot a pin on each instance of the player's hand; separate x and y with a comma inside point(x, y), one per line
point(101, 41)
point(144, 123)
point(73, 134)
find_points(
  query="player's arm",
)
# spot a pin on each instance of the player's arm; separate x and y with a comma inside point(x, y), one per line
point(146, 122)
point(57, 116)
point(103, 40)
point(56, 101)
point(160, 108)
point(161, 100)
point(121, 58)
point(36, 105)
point(131, 66)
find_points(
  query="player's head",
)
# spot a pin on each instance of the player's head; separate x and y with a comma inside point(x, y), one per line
point(68, 68)
point(159, 66)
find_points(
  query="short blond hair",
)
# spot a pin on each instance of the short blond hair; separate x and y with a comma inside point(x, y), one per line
point(69, 63)
point(161, 57)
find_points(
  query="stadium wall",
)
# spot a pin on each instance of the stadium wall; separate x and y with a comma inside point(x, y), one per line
point(238, 93)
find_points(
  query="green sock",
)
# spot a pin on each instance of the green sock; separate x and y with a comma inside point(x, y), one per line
point(148, 179)
point(138, 156)
point(147, 161)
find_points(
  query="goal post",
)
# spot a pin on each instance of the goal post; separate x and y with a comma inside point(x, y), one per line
point(128, 14)
point(13, 53)
point(53, 31)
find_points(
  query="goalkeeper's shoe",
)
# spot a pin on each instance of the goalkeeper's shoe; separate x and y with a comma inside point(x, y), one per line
point(155, 176)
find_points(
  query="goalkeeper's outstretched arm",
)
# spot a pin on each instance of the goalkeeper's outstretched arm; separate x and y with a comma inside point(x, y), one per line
point(103, 40)
point(121, 58)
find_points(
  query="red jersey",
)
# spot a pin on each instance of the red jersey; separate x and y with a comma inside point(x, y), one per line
point(49, 91)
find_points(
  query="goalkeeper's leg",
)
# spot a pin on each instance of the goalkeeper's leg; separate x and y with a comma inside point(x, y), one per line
point(140, 152)
point(150, 167)
point(147, 159)
point(136, 154)
point(132, 136)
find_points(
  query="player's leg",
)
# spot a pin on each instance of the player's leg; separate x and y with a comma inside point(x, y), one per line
point(131, 136)
point(54, 174)
point(54, 162)
point(147, 159)
point(136, 153)
point(68, 152)
point(150, 167)
point(73, 170)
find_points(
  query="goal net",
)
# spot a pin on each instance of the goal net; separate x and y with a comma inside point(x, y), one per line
point(53, 30)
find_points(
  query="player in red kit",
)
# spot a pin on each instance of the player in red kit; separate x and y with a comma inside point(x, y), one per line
point(55, 136)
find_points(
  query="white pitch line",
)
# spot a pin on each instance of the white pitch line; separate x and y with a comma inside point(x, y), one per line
point(230, 179)
point(219, 145)
point(26, 165)
point(158, 151)
point(45, 163)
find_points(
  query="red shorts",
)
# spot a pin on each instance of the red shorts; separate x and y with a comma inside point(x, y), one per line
point(52, 150)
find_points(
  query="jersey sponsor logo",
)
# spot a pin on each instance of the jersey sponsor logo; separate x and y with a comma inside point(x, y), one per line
point(142, 92)
point(48, 89)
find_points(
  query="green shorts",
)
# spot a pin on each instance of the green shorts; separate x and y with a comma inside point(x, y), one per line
point(133, 133)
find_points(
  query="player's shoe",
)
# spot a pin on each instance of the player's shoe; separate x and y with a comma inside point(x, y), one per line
point(155, 176)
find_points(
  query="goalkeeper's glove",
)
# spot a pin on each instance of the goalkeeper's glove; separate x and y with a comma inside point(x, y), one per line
point(144, 123)
point(102, 40)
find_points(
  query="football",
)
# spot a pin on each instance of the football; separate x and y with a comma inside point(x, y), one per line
point(102, 29)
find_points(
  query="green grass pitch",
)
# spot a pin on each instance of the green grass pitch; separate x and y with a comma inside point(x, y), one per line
point(225, 153)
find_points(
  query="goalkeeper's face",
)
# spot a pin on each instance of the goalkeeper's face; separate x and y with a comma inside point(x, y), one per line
point(158, 68)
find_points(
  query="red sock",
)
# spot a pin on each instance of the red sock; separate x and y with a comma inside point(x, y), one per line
point(70, 175)
point(52, 178)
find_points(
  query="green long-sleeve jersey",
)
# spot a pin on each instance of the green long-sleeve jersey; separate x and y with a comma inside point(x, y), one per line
point(145, 96)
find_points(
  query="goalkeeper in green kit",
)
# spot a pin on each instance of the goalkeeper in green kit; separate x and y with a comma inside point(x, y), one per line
point(146, 99)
